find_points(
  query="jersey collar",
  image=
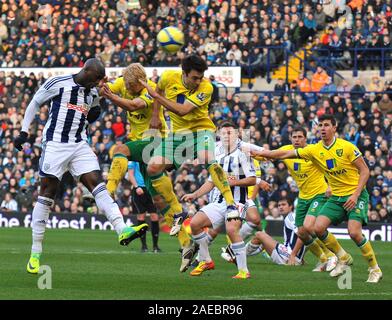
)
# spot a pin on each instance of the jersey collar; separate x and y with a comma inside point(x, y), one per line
point(331, 145)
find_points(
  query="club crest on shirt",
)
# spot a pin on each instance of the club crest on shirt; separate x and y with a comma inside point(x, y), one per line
point(201, 96)
point(339, 152)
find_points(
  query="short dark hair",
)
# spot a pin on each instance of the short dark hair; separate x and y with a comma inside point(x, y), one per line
point(227, 124)
point(290, 203)
point(299, 128)
point(194, 62)
point(329, 117)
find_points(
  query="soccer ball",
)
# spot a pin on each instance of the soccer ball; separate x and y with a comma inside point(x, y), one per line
point(171, 39)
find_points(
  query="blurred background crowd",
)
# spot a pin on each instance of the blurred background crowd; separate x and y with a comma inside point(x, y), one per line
point(65, 33)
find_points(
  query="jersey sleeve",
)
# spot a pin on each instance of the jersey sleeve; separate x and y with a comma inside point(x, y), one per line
point(162, 83)
point(202, 96)
point(353, 152)
point(247, 166)
point(46, 92)
point(306, 153)
point(131, 165)
point(145, 95)
point(116, 86)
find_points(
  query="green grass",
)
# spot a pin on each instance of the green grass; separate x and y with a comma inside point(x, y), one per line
point(91, 265)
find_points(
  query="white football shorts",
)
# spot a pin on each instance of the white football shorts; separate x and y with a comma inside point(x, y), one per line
point(216, 213)
point(58, 158)
point(281, 254)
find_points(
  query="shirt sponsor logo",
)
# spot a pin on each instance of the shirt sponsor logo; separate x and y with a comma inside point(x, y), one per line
point(82, 108)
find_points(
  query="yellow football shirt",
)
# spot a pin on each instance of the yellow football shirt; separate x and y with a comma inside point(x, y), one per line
point(258, 175)
point(198, 119)
point(336, 163)
point(139, 119)
point(309, 178)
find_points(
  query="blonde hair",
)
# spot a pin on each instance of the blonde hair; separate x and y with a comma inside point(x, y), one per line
point(132, 74)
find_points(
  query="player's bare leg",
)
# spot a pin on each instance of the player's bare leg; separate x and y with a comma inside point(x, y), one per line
point(355, 231)
point(200, 221)
point(327, 259)
point(163, 185)
point(344, 259)
point(238, 246)
point(39, 219)
point(94, 183)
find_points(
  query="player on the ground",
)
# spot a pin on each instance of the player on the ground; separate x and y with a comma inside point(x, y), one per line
point(292, 250)
point(142, 204)
point(347, 174)
point(65, 148)
point(129, 94)
point(313, 191)
point(186, 94)
point(241, 174)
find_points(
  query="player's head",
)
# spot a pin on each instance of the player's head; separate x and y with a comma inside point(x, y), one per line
point(132, 74)
point(228, 133)
point(285, 206)
point(193, 68)
point(92, 72)
point(327, 126)
point(298, 137)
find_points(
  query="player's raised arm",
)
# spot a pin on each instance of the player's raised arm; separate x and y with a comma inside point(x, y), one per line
point(274, 154)
point(204, 189)
point(46, 92)
point(126, 104)
point(180, 109)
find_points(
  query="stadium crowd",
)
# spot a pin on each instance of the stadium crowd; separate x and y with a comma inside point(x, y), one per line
point(64, 33)
point(364, 119)
point(51, 33)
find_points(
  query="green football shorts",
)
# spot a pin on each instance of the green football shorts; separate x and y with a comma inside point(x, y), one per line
point(333, 209)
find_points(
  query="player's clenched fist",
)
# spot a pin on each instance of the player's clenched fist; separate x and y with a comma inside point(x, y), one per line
point(20, 140)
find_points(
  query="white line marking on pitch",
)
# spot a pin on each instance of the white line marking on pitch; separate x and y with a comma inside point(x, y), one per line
point(273, 295)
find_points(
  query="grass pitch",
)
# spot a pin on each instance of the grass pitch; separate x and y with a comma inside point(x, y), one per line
point(92, 265)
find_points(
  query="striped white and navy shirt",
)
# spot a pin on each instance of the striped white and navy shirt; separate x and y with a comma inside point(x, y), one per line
point(290, 235)
point(69, 106)
point(235, 164)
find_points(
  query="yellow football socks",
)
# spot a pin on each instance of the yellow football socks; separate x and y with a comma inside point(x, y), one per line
point(163, 185)
point(219, 178)
point(368, 253)
point(117, 171)
point(332, 244)
point(314, 248)
point(326, 251)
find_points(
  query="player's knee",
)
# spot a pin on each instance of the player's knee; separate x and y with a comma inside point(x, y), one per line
point(196, 227)
point(319, 230)
point(309, 228)
point(154, 169)
point(122, 149)
point(254, 218)
point(154, 217)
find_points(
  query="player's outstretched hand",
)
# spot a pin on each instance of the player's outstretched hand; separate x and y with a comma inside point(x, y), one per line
point(105, 91)
point(291, 261)
point(150, 90)
point(265, 186)
point(20, 140)
point(102, 82)
point(350, 203)
point(188, 197)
